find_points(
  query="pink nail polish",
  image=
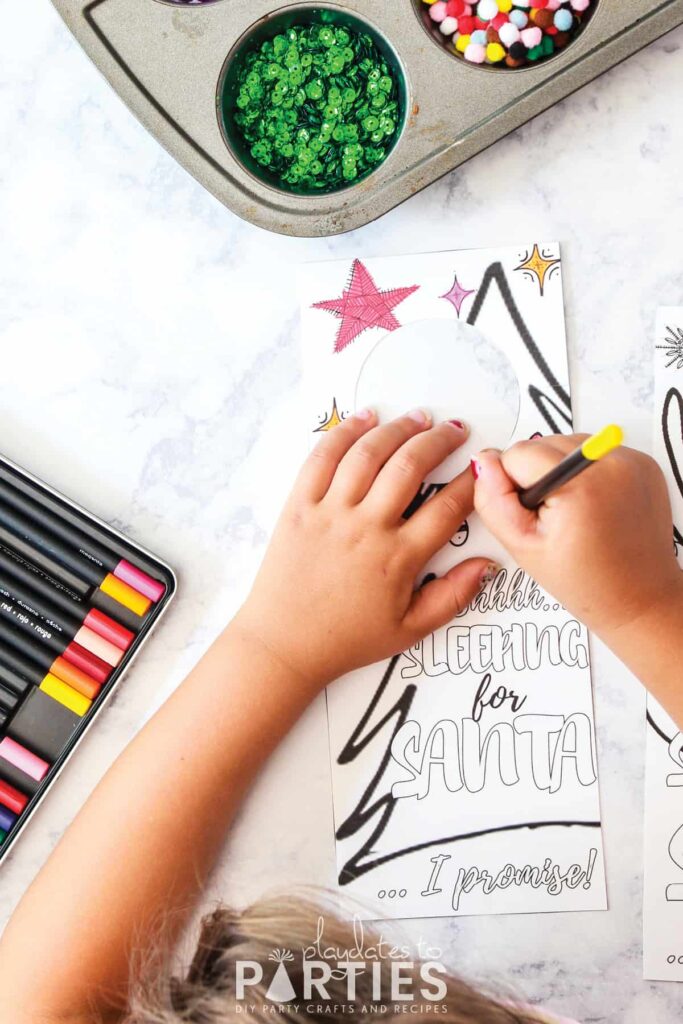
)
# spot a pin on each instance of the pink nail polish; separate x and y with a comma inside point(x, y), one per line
point(420, 416)
point(476, 468)
point(458, 424)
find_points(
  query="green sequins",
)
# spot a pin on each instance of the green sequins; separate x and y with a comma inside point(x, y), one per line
point(317, 106)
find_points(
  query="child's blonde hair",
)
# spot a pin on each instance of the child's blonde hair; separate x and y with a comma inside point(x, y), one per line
point(267, 931)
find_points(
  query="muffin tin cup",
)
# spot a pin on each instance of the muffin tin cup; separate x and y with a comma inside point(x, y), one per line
point(266, 28)
point(443, 42)
point(167, 61)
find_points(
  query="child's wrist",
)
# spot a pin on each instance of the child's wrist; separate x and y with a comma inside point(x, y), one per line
point(659, 622)
point(284, 665)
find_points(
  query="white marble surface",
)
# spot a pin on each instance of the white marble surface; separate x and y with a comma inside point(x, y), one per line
point(149, 367)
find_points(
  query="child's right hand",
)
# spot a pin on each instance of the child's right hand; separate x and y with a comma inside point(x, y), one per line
point(602, 544)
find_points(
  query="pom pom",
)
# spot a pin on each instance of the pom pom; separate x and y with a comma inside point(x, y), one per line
point(508, 34)
point(531, 37)
point(437, 12)
point(519, 18)
point(525, 31)
point(495, 52)
point(518, 51)
point(487, 9)
point(543, 19)
point(563, 20)
point(475, 53)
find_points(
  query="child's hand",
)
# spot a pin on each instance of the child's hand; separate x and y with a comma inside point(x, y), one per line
point(602, 544)
point(337, 586)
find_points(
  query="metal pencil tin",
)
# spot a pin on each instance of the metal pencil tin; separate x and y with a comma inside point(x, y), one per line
point(104, 534)
point(167, 61)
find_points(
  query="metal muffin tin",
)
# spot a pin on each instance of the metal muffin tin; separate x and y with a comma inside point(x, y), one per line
point(166, 60)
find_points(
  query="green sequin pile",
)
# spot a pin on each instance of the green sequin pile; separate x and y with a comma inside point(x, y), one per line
point(318, 106)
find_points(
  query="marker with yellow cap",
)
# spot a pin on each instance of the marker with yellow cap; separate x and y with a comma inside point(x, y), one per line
point(593, 449)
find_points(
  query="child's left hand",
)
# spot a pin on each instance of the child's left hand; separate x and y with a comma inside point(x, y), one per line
point(337, 586)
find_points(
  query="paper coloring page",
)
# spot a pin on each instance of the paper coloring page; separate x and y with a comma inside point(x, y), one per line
point(464, 769)
point(663, 887)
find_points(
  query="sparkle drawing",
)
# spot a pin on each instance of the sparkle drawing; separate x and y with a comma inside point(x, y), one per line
point(456, 295)
point(333, 420)
point(538, 266)
point(673, 346)
point(363, 305)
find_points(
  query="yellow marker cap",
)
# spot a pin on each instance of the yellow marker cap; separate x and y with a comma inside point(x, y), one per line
point(125, 595)
point(600, 444)
point(65, 694)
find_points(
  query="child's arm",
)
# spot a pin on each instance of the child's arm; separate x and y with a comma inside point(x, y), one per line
point(336, 591)
point(603, 545)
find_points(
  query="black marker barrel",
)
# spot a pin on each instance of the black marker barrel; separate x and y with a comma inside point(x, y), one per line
point(14, 681)
point(80, 553)
point(26, 625)
point(591, 451)
point(15, 660)
point(43, 646)
point(32, 533)
point(27, 648)
point(108, 606)
point(66, 514)
point(55, 591)
point(54, 619)
point(15, 777)
point(28, 507)
point(39, 582)
point(534, 496)
point(8, 700)
point(128, 584)
point(34, 604)
point(43, 561)
point(67, 625)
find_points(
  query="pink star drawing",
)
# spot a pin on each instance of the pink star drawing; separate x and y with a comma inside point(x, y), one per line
point(457, 295)
point(363, 305)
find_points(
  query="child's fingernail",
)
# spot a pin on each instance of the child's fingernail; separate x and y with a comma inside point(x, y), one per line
point(475, 466)
point(459, 425)
point(421, 416)
point(365, 414)
point(489, 574)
